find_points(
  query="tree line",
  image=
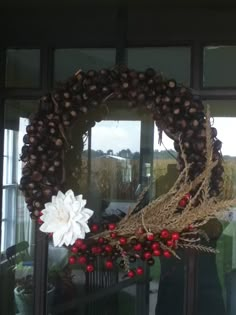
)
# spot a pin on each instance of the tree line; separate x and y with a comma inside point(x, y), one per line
point(128, 154)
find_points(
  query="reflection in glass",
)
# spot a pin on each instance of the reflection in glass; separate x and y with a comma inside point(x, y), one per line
point(115, 149)
point(173, 62)
point(221, 58)
point(216, 280)
point(23, 68)
point(17, 234)
point(68, 61)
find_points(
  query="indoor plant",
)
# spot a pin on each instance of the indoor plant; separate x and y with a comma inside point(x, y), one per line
point(24, 289)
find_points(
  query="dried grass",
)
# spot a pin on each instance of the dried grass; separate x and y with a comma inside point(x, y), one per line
point(165, 213)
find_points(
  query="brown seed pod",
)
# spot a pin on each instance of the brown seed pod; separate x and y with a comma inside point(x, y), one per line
point(36, 176)
point(26, 139)
point(213, 132)
point(26, 171)
point(172, 84)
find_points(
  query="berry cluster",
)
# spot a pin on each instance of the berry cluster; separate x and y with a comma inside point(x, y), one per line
point(119, 250)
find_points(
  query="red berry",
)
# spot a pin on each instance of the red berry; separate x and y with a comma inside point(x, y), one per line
point(78, 243)
point(109, 264)
point(101, 240)
point(155, 245)
point(167, 254)
point(138, 247)
point(96, 250)
point(40, 221)
point(72, 260)
point(82, 260)
point(165, 234)
point(108, 248)
point(170, 243)
point(83, 247)
point(94, 228)
point(150, 236)
point(131, 273)
point(183, 203)
point(113, 235)
point(139, 271)
point(122, 240)
point(147, 255)
point(74, 249)
point(156, 252)
point(175, 236)
point(111, 226)
point(90, 268)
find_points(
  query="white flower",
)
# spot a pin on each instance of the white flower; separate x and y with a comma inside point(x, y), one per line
point(66, 217)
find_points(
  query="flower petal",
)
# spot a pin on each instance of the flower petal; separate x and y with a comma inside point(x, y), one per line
point(66, 217)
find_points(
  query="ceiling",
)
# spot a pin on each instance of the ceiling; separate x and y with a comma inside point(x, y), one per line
point(134, 3)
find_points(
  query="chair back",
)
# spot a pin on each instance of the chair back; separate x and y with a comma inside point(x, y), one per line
point(17, 253)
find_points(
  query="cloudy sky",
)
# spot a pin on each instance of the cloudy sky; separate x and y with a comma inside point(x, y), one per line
point(118, 135)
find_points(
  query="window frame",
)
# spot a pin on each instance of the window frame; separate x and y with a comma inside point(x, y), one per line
point(46, 57)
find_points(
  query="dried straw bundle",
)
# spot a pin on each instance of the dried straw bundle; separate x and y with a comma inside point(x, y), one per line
point(165, 213)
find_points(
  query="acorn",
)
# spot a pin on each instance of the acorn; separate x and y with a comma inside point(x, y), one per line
point(182, 124)
point(192, 110)
point(66, 95)
point(57, 163)
point(198, 145)
point(37, 204)
point(26, 139)
point(47, 193)
point(172, 84)
point(213, 132)
point(58, 142)
point(51, 169)
point(36, 176)
point(25, 180)
point(165, 108)
point(150, 72)
point(33, 140)
point(26, 171)
point(30, 128)
point(37, 193)
point(30, 208)
point(176, 110)
point(217, 145)
point(187, 103)
point(31, 185)
point(32, 162)
point(194, 123)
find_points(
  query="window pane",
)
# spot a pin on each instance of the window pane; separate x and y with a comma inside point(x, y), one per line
point(216, 273)
point(120, 165)
point(8, 157)
point(115, 162)
point(164, 163)
point(173, 62)
point(222, 108)
point(23, 68)
point(219, 66)
point(17, 233)
point(68, 61)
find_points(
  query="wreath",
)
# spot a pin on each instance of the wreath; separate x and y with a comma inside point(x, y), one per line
point(159, 228)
